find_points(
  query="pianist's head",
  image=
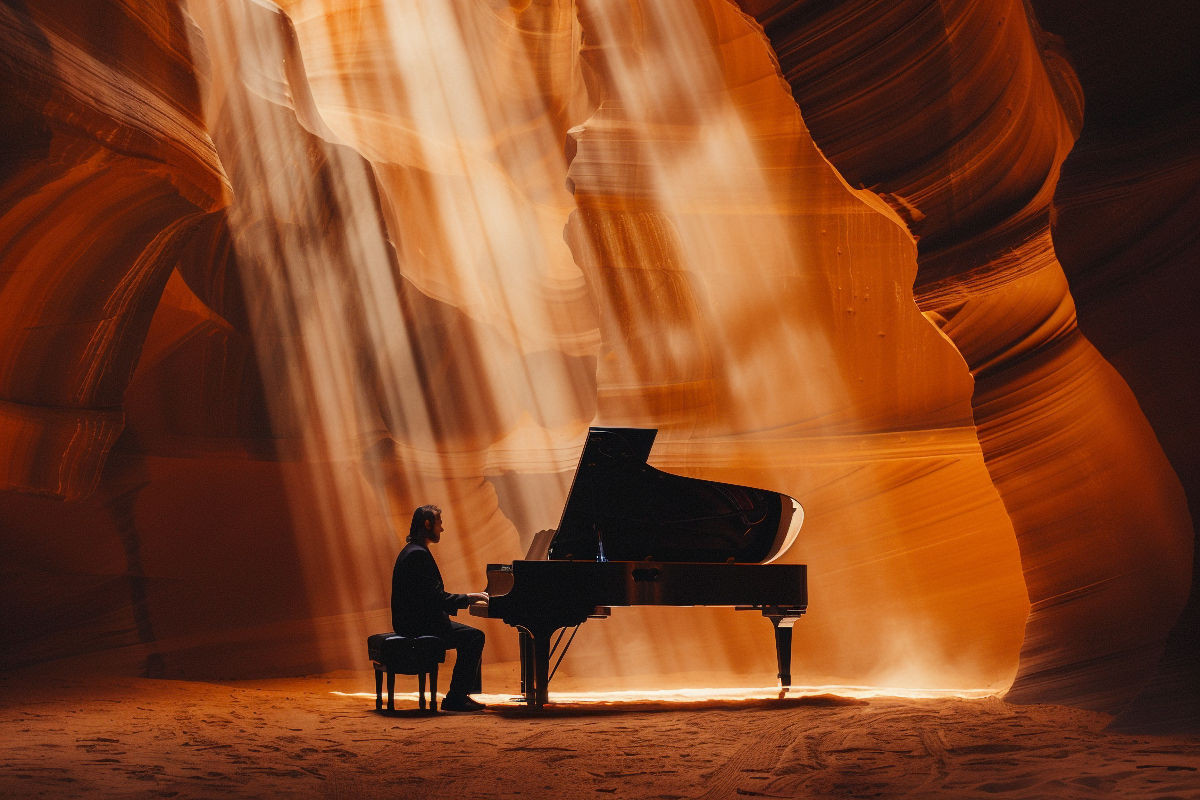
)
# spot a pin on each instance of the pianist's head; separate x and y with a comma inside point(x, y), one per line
point(426, 525)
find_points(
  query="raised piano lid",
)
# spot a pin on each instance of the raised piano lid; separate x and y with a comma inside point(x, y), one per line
point(627, 510)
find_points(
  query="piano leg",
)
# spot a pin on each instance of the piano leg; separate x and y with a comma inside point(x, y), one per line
point(782, 623)
point(535, 664)
point(525, 645)
point(541, 668)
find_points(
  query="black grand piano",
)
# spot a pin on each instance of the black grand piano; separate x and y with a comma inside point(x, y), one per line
point(633, 535)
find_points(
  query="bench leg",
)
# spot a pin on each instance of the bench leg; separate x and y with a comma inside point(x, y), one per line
point(378, 689)
point(391, 691)
point(433, 688)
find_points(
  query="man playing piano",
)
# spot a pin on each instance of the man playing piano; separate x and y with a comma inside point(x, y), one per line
point(421, 606)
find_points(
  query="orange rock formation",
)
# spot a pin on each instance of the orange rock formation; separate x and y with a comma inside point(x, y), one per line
point(271, 277)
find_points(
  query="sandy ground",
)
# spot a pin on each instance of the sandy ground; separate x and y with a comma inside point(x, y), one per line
point(135, 738)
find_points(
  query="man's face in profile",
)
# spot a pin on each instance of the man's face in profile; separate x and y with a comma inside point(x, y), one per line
point(434, 526)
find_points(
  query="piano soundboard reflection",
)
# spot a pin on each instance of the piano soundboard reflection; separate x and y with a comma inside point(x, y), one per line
point(634, 535)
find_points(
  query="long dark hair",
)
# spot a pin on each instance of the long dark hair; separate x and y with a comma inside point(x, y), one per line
point(416, 530)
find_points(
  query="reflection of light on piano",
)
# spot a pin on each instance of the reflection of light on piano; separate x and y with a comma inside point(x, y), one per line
point(715, 695)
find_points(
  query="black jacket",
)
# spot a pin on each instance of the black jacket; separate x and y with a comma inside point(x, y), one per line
point(420, 603)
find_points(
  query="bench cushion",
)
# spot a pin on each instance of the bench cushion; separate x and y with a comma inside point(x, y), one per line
point(409, 655)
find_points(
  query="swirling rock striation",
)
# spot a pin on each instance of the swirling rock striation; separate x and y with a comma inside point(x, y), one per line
point(107, 168)
point(1127, 233)
point(959, 116)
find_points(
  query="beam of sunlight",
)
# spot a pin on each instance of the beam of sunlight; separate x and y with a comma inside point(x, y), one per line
point(414, 309)
point(318, 276)
point(690, 246)
point(725, 255)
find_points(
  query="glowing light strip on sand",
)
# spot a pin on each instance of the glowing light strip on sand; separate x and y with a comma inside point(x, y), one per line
point(718, 695)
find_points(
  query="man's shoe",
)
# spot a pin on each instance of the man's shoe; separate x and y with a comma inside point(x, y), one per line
point(461, 703)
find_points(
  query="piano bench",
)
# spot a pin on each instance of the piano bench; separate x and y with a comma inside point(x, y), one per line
point(407, 655)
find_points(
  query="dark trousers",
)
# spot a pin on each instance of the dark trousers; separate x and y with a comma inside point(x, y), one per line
point(468, 642)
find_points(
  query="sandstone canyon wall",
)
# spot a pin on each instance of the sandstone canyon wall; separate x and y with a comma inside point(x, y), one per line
point(1010, 105)
point(274, 276)
point(1125, 229)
